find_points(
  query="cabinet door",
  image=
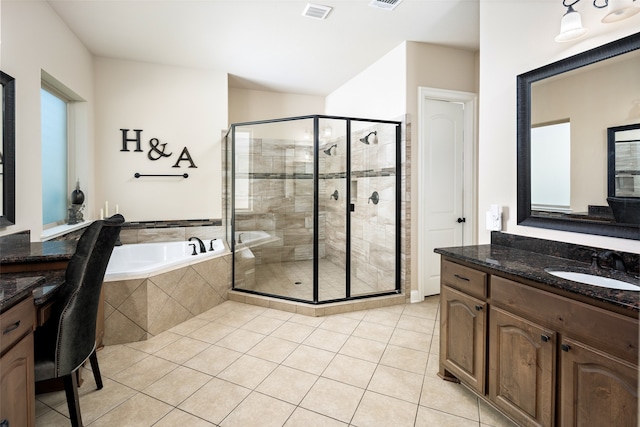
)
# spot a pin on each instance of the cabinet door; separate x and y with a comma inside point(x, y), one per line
point(463, 337)
point(17, 398)
point(521, 368)
point(596, 389)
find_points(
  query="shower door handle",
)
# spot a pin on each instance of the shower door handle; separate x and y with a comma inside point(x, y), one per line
point(461, 220)
point(352, 207)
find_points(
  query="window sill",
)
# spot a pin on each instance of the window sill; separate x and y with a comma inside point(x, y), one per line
point(60, 230)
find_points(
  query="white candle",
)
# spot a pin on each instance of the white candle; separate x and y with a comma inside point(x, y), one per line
point(101, 213)
point(117, 210)
point(106, 208)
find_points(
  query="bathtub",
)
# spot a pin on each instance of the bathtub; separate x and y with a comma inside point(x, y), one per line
point(251, 238)
point(142, 260)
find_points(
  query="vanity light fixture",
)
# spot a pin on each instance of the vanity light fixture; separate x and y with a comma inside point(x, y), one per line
point(571, 24)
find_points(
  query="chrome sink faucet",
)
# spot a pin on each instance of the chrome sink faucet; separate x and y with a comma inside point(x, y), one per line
point(613, 261)
point(203, 249)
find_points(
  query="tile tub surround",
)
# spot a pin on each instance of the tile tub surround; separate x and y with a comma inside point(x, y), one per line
point(138, 309)
point(242, 365)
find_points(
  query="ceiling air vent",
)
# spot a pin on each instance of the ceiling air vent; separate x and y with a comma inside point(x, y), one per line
point(316, 11)
point(385, 4)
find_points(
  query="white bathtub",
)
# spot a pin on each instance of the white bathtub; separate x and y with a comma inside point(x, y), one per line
point(253, 238)
point(142, 260)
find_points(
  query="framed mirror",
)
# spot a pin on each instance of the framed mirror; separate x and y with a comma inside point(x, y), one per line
point(564, 111)
point(7, 151)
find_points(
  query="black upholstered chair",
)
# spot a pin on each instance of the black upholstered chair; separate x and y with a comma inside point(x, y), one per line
point(68, 338)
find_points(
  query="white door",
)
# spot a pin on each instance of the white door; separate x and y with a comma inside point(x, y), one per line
point(446, 214)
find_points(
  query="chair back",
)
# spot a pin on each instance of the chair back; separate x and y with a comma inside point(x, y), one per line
point(76, 306)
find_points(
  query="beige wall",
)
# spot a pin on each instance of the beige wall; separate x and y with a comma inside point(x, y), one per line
point(252, 105)
point(181, 107)
point(509, 46)
point(34, 39)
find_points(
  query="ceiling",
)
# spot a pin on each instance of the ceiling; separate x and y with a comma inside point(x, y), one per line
point(267, 44)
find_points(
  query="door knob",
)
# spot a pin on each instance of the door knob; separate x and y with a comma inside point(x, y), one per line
point(461, 220)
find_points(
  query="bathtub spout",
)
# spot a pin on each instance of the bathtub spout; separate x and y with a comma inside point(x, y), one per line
point(203, 249)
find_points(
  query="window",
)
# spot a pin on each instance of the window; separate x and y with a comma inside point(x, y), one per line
point(54, 122)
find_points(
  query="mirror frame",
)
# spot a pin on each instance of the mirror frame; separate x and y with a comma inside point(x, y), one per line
point(8, 150)
point(611, 156)
point(524, 81)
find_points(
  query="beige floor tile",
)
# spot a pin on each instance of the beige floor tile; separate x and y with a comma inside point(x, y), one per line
point(273, 349)
point(181, 418)
point(240, 340)
point(236, 319)
point(326, 340)
point(154, 344)
point(428, 417)
point(295, 332)
point(247, 371)
point(397, 383)
point(287, 384)
point(377, 410)
point(115, 358)
point(213, 360)
point(309, 359)
point(145, 372)
point(51, 418)
point(211, 332)
point(333, 399)
point(350, 370)
point(182, 350)
point(439, 394)
point(94, 403)
point(362, 348)
point(423, 310)
point(491, 417)
point(215, 400)
point(341, 324)
point(177, 385)
point(263, 325)
point(405, 358)
point(382, 317)
point(259, 410)
point(435, 345)
point(314, 322)
point(373, 331)
point(416, 324)
point(411, 339)
point(277, 314)
point(139, 411)
point(185, 328)
point(433, 366)
point(303, 417)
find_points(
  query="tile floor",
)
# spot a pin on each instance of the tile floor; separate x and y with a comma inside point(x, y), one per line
point(243, 365)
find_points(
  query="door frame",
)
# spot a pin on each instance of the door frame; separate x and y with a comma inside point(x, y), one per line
point(470, 101)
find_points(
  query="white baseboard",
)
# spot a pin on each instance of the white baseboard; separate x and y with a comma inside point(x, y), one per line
point(416, 297)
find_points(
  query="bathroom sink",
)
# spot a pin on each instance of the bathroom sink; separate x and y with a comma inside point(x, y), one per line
point(592, 279)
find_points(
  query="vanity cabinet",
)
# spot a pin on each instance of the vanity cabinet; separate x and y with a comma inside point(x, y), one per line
point(17, 397)
point(463, 325)
point(547, 359)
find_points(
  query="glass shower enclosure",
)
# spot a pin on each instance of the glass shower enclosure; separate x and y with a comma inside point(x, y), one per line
point(312, 207)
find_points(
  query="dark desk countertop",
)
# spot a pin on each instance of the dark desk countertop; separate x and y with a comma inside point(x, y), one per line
point(532, 265)
point(15, 289)
point(18, 249)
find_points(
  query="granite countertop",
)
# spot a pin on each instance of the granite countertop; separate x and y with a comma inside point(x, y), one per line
point(532, 265)
point(18, 249)
point(15, 289)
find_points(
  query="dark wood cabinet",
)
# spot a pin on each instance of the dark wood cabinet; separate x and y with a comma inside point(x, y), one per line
point(17, 395)
point(521, 368)
point(541, 358)
point(596, 388)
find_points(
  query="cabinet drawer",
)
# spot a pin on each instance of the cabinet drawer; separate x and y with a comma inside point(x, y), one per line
point(615, 333)
point(15, 323)
point(468, 280)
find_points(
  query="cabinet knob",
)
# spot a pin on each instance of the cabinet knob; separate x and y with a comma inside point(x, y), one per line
point(565, 347)
point(478, 308)
point(544, 338)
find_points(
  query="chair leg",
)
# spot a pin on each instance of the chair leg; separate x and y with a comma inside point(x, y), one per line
point(96, 369)
point(71, 390)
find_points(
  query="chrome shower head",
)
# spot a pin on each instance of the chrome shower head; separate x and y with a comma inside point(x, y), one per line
point(328, 150)
point(365, 140)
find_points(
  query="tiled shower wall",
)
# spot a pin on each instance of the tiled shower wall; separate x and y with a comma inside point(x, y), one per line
point(282, 204)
